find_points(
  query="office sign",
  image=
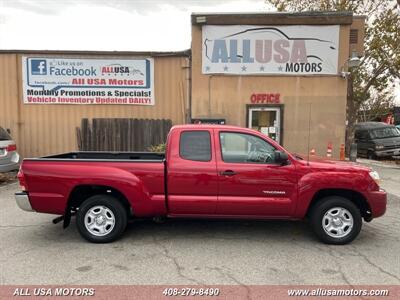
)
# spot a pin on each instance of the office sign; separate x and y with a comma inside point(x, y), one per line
point(281, 50)
point(55, 80)
point(265, 98)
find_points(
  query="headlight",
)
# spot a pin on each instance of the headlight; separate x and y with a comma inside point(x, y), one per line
point(379, 147)
point(375, 176)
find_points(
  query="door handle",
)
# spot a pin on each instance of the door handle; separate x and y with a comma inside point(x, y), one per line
point(228, 173)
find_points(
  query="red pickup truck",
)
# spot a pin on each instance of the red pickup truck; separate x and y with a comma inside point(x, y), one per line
point(208, 171)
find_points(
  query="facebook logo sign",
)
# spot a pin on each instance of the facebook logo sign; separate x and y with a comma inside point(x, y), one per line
point(38, 67)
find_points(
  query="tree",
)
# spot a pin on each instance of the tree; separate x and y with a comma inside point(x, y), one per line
point(372, 83)
point(376, 107)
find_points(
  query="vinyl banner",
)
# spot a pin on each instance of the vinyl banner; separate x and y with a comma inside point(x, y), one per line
point(281, 50)
point(55, 80)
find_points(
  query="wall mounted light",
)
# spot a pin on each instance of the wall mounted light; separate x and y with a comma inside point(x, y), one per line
point(201, 19)
point(353, 62)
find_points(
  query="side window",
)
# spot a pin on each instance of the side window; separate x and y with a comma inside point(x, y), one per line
point(195, 145)
point(4, 136)
point(363, 135)
point(367, 135)
point(245, 148)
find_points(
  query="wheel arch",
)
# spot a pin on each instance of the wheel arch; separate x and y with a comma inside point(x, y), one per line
point(357, 198)
point(82, 192)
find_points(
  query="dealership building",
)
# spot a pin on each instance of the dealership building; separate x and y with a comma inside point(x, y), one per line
point(284, 74)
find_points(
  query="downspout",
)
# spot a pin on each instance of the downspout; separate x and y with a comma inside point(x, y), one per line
point(189, 89)
point(209, 95)
point(19, 138)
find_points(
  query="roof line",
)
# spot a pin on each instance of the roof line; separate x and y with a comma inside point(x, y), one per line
point(274, 18)
point(279, 13)
point(94, 52)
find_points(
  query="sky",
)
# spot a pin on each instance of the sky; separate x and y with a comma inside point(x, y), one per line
point(115, 25)
point(133, 25)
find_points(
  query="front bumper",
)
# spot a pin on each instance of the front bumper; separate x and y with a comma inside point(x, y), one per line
point(386, 153)
point(23, 202)
point(377, 201)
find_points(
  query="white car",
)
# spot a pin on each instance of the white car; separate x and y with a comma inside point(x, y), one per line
point(9, 157)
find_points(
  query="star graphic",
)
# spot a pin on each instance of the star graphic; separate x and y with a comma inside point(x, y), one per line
point(262, 68)
point(226, 68)
point(280, 68)
point(244, 68)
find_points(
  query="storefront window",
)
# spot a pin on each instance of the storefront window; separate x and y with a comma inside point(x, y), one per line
point(266, 120)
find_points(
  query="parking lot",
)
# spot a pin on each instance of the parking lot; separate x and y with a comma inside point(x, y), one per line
point(34, 251)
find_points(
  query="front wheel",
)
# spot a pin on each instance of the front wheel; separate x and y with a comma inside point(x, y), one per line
point(371, 155)
point(336, 220)
point(101, 219)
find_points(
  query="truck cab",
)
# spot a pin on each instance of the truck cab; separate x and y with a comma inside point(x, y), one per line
point(234, 172)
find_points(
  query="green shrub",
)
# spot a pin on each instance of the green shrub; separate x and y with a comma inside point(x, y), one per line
point(157, 148)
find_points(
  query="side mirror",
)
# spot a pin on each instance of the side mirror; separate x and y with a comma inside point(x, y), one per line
point(281, 157)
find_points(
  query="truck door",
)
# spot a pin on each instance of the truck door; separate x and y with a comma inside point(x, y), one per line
point(192, 181)
point(364, 143)
point(251, 183)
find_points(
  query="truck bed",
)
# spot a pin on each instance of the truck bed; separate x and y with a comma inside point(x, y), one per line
point(106, 156)
point(139, 176)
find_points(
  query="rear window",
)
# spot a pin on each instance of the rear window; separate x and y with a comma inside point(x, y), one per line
point(4, 136)
point(195, 145)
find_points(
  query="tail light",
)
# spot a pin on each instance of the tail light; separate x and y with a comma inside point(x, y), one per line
point(12, 147)
point(21, 179)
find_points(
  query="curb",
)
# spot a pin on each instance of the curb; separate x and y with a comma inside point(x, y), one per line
point(378, 163)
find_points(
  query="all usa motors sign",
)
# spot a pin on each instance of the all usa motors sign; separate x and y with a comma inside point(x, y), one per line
point(87, 81)
point(283, 50)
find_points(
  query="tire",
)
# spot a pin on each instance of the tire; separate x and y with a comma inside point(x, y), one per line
point(101, 219)
point(336, 220)
point(371, 155)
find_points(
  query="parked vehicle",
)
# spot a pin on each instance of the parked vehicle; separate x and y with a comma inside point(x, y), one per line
point(9, 157)
point(376, 139)
point(208, 171)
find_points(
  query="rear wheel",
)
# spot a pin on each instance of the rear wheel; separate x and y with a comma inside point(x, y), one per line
point(101, 219)
point(336, 220)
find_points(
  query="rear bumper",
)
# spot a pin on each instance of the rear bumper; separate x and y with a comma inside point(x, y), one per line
point(23, 202)
point(10, 161)
point(377, 201)
point(9, 167)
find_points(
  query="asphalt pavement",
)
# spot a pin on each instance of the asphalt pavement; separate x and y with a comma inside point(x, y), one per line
point(35, 251)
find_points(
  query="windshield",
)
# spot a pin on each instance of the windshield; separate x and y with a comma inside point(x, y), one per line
point(385, 133)
point(4, 136)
